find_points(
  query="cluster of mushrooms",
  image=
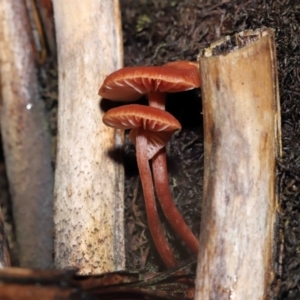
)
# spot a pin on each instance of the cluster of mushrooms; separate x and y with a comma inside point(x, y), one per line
point(151, 128)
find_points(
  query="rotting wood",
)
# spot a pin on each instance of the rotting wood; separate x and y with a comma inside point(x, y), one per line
point(32, 284)
point(26, 138)
point(89, 183)
point(242, 139)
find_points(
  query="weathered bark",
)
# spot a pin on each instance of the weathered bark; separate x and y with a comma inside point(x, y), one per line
point(242, 138)
point(89, 229)
point(26, 140)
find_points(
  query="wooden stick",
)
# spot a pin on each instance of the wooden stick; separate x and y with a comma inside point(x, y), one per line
point(30, 284)
point(89, 229)
point(26, 138)
point(242, 140)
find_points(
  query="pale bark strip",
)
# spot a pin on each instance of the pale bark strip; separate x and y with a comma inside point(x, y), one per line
point(89, 229)
point(241, 113)
point(26, 140)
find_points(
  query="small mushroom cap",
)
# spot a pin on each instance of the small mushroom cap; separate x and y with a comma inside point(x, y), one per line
point(158, 125)
point(130, 83)
point(135, 116)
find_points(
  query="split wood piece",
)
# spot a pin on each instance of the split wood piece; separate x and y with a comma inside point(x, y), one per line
point(241, 142)
point(26, 139)
point(89, 204)
point(31, 284)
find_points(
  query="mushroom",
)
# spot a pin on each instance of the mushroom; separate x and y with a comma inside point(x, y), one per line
point(129, 84)
point(151, 128)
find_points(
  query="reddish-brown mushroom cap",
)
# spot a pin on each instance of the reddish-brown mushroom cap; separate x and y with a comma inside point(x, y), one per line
point(135, 115)
point(130, 83)
point(158, 125)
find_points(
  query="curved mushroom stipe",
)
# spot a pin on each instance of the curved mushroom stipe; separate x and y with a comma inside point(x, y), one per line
point(160, 176)
point(154, 223)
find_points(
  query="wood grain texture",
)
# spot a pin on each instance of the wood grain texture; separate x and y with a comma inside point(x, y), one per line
point(26, 138)
point(241, 112)
point(89, 229)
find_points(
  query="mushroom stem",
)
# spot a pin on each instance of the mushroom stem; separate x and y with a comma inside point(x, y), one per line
point(147, 184)
point(157, 99)
point(160, 176)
